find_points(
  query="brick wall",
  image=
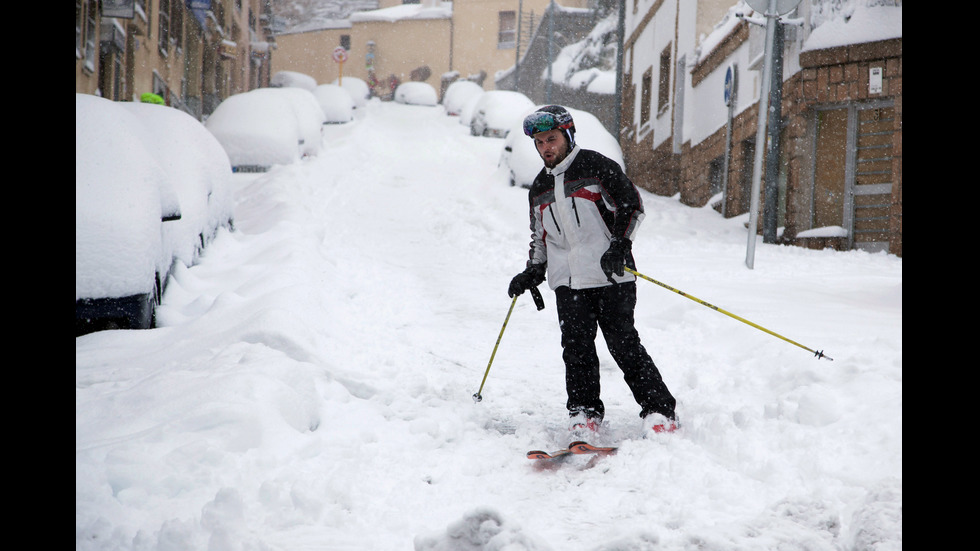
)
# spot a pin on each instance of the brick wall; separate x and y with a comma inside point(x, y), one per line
point(655, 170)
point(841, 75)
point(833, 76)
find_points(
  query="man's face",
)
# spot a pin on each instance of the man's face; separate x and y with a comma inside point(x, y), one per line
point(552, 147)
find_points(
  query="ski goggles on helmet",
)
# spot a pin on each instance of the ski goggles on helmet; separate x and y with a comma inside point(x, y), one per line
point(542, 121)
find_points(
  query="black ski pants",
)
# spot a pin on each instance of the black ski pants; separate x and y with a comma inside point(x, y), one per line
point(610, 309)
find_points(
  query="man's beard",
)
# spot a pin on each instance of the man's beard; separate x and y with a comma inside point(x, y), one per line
point(557, 160)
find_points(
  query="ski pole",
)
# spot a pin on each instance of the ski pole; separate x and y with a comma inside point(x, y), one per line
point(817, 353)
point(539, 302)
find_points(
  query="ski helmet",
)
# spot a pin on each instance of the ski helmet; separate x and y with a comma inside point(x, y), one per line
point(551, 117)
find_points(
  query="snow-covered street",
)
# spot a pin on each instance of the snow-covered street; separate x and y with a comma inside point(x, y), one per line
point(311, 385)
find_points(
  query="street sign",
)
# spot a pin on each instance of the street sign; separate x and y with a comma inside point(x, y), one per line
point(340, 56)
point(730, 81)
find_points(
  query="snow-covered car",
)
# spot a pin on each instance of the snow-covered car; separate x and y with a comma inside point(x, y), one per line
point(358, 89)
point(457, 94)
point(200, 175)
point(265, 127)
point(521, 159)
point(152, 188)
point(294, 79)
point(309, 117)
point(495, 111)
point(466, 113)
point(416, 93)
point(336, 102)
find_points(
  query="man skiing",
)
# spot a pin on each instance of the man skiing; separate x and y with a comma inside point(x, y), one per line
point(584, 212)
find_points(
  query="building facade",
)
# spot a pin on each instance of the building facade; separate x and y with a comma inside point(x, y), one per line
point(429, 41)
point(838, 181)
point(190, 53)
point(384, 47)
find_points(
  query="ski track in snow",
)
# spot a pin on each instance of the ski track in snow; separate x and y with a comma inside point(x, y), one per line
point(311, 385)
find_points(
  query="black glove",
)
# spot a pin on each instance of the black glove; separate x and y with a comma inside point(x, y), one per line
point(614, 258)
point(532, 276)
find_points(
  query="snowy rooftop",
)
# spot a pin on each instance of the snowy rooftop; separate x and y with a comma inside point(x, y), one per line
point(840, 26)
point(427, 10)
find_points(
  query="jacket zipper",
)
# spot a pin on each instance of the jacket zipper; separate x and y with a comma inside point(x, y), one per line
point(555, 220)
point(575, 210)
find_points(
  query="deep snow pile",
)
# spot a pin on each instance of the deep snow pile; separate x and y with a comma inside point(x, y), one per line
point(311, 387)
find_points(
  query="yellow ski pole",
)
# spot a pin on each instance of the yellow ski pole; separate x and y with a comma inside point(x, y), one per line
point(817, 353)
point(539, 302)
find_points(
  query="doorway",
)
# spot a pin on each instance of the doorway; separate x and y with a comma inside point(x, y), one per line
point(852, 173)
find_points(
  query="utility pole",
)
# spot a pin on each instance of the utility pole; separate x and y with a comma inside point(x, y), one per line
point(772, 10)
point(770, 213)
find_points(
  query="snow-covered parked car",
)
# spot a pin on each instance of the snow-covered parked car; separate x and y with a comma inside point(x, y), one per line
point(336, 102)
point(416, 93)
point(267, 126)
point(521, 158)
point(466, 113)
point(294, 79)
point(358, 89)
point(152, 188)
point(457, 94)
point(309, 117)
point(496, 111)
point(200, 174)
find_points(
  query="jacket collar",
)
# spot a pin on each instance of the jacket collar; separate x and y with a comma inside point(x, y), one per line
point(563, 166)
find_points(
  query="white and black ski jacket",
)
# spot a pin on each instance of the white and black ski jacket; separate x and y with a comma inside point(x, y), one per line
point(576, 209)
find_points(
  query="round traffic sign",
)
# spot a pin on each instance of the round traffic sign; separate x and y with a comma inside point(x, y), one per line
point(730, 79)
point(340, 54)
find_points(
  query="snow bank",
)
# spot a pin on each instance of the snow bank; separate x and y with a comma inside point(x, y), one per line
point(310, 386)
point(481, 530)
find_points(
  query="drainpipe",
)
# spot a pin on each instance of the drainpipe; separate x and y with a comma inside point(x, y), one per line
point(551, 41)
point(618, 106)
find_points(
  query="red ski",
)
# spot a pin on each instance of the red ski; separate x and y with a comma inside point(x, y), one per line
point(539, 454)
point(573, 448)
point(585, 447)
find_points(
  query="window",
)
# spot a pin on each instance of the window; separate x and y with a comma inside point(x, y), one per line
point(164, 25)
point(645, 96)
point(160, 87)
point(143, 8)
point(663, 93)
point(345, 41)
point(507, 35)
point(91, 8)
point(177, 25)
point(78, 28)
